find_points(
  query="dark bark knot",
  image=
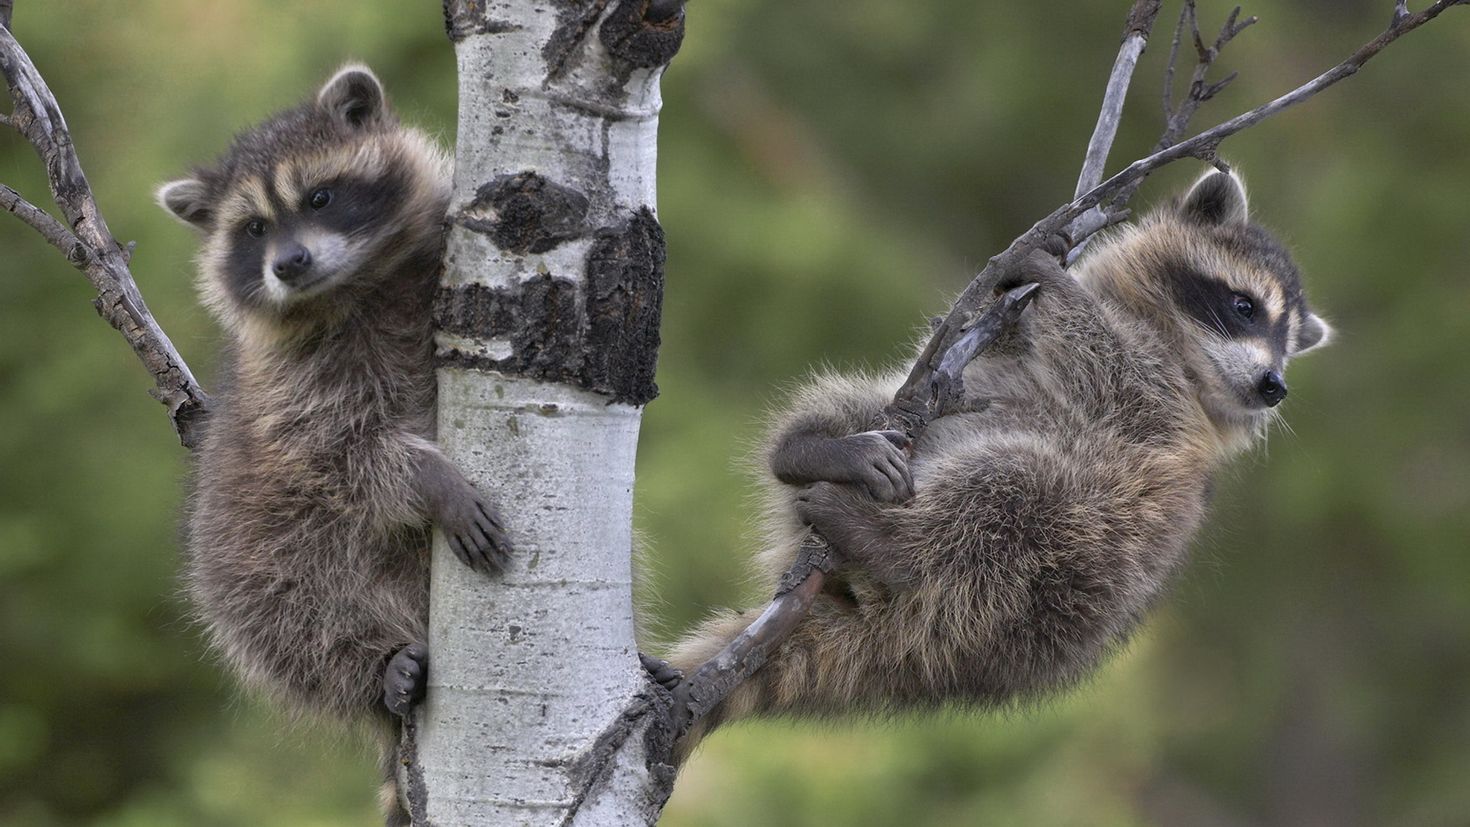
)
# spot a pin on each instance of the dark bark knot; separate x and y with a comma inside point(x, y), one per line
point(463, 18)
point(605, 340)
point(526, 213)
point(644, 33)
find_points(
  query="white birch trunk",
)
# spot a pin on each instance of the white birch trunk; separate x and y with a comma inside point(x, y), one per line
point(537, 708)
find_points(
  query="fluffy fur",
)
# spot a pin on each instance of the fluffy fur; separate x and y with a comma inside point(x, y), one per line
point(317, 481)
point(1019, 541)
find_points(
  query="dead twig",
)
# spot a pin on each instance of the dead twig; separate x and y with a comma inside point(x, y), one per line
point(1176, 116)
point(85, 239)
point(1135, 39)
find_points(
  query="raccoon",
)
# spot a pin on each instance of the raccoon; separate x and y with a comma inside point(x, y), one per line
point(308, 529)
point(1004, 553)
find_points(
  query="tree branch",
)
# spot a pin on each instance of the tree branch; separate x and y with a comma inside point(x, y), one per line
point(1135, 39)
point(1176, 119)
point(88, 245)
point(933, 384)
point(52, 230)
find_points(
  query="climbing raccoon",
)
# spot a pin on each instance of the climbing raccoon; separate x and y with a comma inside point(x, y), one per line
point(1013, 544)
point(318, 477)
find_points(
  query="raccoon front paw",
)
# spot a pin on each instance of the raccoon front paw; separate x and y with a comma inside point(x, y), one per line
point(878, 461)
point(405, 679)
point(661, 671)
point(475, 532)
point(1040, 266)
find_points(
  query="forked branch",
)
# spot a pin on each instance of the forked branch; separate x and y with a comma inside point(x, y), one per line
point(1135, 39)
point(85, 240)
point(933, 385)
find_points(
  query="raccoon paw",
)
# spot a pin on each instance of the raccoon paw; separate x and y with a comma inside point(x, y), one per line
point(661, 672)
point(876, 460)
point(1039, 267)
point(475, 532)
point(405, 679)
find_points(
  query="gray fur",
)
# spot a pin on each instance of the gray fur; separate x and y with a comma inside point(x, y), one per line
point(1048, 517)
point(315, 486)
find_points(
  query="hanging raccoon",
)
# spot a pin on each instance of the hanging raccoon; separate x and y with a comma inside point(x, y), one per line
point(1017, 542)
point(318, 478)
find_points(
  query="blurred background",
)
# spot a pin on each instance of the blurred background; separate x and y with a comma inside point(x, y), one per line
point(830, 173)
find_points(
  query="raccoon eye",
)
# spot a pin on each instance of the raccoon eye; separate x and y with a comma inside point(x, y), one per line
point(320, 198)
point(255, 228)
point(1243, 306)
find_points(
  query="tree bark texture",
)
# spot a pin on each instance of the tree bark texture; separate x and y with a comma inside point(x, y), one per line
point(538, 711)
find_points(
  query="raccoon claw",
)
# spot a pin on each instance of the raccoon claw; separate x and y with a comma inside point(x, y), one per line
point(1038, 267)
point(405, 678)
point(477, 536)
point(661, 672)
point(881, 464)
point(1058, 245)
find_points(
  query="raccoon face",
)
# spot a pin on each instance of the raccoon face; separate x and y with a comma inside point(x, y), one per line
point(317, 198)
point(1242, 295)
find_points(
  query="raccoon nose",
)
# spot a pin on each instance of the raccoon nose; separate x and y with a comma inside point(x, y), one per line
point(292, 260)
point(1272, 388)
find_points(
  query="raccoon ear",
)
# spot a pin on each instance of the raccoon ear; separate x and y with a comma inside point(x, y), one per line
point(1216, 199)
point(353, 96)
point(187, 199)
point(1314, 333)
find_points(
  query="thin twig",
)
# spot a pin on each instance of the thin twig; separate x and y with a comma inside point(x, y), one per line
point(1110, 114)
point(88, 244)
point(1199, 90)
point(1178, 116)
point(41, 221)
point(931, 387)
point(1173, 61)
point(1400, 12)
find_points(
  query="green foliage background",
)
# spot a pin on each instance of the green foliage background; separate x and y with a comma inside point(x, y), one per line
point(829, 174)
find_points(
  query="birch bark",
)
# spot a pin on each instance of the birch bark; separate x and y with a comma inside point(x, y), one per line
point(538, 711)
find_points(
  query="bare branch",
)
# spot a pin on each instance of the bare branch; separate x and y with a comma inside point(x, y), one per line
point(88, 244)
point(7, 7)
point(1135, 39)
point(1177, 117)
point(932, 385)
point(1141, 19)
point(1173, 61)
point(41, 221)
